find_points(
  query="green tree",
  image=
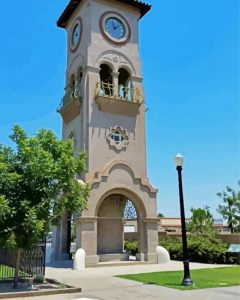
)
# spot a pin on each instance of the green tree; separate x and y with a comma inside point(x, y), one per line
point(230, 210)
point(160, 215)
point(38, 182)
point(201, 222)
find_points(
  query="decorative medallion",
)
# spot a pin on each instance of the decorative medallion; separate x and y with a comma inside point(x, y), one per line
point(118, 138)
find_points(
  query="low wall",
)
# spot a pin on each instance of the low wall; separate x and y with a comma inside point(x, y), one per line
point(228, 238)
point(233, 238)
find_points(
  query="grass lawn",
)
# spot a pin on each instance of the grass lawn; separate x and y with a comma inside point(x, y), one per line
point(204, 278)
point(6, 272)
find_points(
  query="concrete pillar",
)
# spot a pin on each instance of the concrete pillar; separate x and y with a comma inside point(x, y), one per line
point(86, 238)
point(152, 239)
point(123, 224)
point(115, 83)
point(137, 89)
point(142, 242)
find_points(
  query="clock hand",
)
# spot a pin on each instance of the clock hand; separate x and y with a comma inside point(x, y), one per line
point(114, 27)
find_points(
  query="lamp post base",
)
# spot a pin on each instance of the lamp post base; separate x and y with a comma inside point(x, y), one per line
point(187, 281)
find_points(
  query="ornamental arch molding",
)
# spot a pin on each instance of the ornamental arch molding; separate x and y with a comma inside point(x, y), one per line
point(98, 177)
point(119, 178)
point(76, 63)
point(117, 60)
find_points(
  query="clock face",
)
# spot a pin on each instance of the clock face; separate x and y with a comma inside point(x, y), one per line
point(76, 34)
point(115, 28)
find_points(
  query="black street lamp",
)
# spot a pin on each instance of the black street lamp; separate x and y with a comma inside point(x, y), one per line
point(187, 281)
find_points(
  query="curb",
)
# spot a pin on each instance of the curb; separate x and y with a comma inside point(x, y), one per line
point(40, 293)
point(67, 290)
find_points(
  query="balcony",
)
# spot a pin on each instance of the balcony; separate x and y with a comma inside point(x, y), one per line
point(69, 107)
point(118, 99)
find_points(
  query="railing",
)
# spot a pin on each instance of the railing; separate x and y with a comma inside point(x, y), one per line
point(109, 90)
point(70, 95)
point(32, 262)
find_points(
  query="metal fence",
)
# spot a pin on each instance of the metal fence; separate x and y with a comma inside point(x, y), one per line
point(32, 262)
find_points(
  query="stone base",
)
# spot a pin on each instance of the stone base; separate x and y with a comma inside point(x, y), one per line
point(150, 257)
point(140, 257)
point(114, 257)
point(92, 260)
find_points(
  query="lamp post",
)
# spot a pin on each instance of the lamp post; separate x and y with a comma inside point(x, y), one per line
point(187, 281)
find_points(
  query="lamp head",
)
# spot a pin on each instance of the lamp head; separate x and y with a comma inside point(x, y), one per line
point(178, 159)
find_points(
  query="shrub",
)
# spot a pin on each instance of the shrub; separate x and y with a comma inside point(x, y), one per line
point(131, 247)
point(38, 278)
point(200, 249)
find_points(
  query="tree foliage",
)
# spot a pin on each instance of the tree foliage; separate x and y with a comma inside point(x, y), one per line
point(37, 183)
point(201, 222)
point(230, 210)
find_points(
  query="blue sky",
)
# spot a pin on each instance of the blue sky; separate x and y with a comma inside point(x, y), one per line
point(190, 57)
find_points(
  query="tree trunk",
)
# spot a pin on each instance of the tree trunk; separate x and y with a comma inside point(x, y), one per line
point(17, 267)
point(230, 225)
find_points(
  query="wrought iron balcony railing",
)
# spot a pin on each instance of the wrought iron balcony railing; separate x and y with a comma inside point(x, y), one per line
point(109, 90)
point(70, 95)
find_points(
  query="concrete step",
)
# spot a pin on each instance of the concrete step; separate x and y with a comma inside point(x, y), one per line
point(111, 257)
point(119, 263)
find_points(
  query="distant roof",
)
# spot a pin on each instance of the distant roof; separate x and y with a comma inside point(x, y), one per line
point(69, 9)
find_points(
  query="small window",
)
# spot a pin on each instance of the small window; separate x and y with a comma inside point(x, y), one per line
point(118, 137)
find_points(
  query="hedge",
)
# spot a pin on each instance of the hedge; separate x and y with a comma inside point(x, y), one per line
point(200, 249)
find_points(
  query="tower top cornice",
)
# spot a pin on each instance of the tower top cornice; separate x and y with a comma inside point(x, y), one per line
point(72, 5)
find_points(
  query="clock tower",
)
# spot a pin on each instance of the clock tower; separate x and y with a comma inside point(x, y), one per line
point(103, 111)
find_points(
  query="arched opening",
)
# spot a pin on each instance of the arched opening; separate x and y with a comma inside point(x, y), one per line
point(72, 138)
point(72, 81)
point(106, 79)
point(80, 74)
point(124, 84)
point(117, 223)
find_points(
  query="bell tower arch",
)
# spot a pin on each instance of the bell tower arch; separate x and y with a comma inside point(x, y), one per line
point(104, 106)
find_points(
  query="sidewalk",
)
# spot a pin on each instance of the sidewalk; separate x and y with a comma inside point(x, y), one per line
point(100, 284)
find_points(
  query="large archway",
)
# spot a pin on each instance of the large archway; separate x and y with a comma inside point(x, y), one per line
point(113, 213)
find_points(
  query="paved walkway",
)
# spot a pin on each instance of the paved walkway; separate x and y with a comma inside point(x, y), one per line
point(100, 284)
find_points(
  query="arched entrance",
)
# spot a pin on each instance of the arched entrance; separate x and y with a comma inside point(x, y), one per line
point(115, 211)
